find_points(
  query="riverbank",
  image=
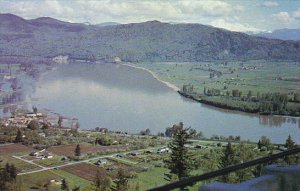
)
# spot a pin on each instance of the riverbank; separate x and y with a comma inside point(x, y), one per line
point(235, 105)
point(256, 91)
point(170, 85)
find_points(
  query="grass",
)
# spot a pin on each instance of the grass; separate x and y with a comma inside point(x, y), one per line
point(72, 179)
point(263, 79)
point(19, 164)
point(56, 160)
point(152, 178)
point(38, 180)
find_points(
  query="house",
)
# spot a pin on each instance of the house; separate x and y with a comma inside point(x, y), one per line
point(30, 115)
point(34, 153)
point(163, 150)
point(101, 162)
point(103, 130)
point(47, 156)
point(42, 134)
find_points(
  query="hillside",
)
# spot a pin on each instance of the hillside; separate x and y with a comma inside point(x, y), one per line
point(283, 34)
point(148, 41)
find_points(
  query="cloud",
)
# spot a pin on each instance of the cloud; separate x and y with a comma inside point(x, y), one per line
point(296, 14)
point(286, 20)
point(234, 26)
point(283, 17)
point(269, 4)
point(96, 11)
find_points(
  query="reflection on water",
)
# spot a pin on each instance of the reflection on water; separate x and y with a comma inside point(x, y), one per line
point(127, 99)
point(277, 121)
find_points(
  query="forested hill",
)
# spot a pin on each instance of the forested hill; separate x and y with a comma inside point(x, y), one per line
point(148, 41)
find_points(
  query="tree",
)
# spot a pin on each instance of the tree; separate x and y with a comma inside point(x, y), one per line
point(259, 144)
point(60, 120)
point(19, 137)
point(180, 161)
point(102, 184)
point(8, 176)
point(265, 142)
point(227, 160)
point(249, 95)
point(34, 109)
point(77, 150)
point(121, 181)
point(64, 185)
point(147, 131)
point(290, 144)
point(235, 93)
point(33, 125)
point(244, 152)
point(104, 140)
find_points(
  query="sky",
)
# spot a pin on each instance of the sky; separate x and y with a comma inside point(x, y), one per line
point(235, 15)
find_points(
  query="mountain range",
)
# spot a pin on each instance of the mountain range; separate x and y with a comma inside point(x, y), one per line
point(147, 41)
point(283, 34)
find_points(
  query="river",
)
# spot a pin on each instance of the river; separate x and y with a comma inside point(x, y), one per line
point(123, 98)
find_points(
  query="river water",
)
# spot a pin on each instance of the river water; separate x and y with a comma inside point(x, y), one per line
point(123, 98)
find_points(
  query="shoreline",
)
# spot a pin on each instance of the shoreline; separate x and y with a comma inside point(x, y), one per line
point(232, 108)
point(209, 103)
point(168, 84)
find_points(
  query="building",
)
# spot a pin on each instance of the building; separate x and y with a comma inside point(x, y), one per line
point(101, 162)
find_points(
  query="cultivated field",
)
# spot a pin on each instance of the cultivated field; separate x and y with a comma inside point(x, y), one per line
point(68, 150)
point(257, 76)
point(84, 170)
point(14, 149)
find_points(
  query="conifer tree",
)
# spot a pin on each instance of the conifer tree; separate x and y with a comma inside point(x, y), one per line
point(290, 144)
point(181, 161)
point(77, 150)
point(19, 137)
point(227, 160)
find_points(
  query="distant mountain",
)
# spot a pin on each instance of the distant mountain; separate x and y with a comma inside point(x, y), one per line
point(107, 24)
point(147, 41)
point(283, 34)
point(12, 23)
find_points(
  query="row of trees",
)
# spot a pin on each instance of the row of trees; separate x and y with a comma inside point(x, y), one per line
point(268, 103)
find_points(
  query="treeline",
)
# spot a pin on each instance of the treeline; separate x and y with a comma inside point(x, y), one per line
point(266, 103)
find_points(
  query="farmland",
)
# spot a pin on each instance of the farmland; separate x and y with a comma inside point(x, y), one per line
point(84, 170)
point(256, 82)
point(8, 151)
point(257, 76)
point(86, 149)
point(15, 149)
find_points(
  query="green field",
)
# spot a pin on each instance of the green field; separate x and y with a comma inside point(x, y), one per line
point(257, 83)
point(266, 77)
point(37, 181)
